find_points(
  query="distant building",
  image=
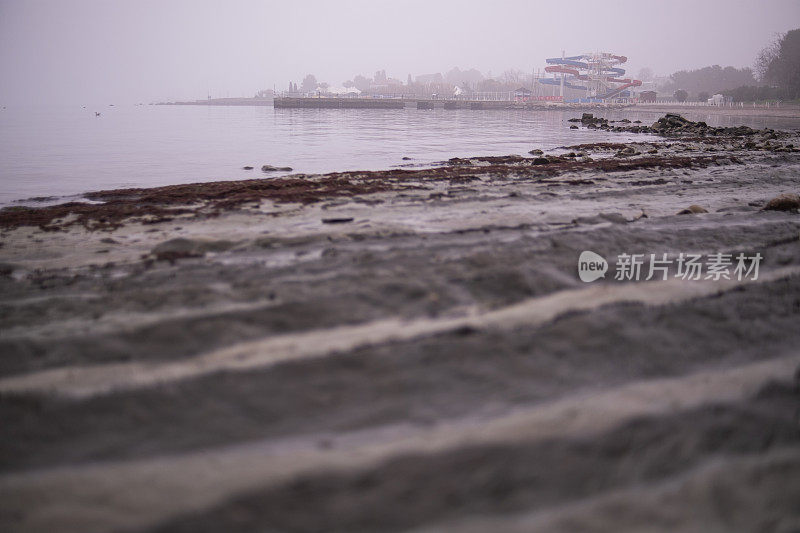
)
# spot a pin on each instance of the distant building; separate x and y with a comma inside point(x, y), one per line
point(717, 99)
point(522, 94)
point(647, 96)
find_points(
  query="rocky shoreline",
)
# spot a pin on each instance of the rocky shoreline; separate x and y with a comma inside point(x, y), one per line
point(412, 349)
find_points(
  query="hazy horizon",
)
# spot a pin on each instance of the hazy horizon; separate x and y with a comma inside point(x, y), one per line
point(128, 52)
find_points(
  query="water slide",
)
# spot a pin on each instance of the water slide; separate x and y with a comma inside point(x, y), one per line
point(615, 92)
point(568, 62)
point(603, 64)
point(565, 70)
point(552, 81)
point(573, 61)
point(616, 70)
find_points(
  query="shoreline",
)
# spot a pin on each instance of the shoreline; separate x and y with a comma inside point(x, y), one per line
point(787, 111)
point(202, 357)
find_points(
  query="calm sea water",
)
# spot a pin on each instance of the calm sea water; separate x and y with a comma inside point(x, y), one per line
point(66, 151)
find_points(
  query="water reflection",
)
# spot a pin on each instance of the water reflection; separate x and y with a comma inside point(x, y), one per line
point(48, 151)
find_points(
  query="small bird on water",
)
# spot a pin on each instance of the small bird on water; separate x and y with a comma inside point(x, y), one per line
point(97, 114)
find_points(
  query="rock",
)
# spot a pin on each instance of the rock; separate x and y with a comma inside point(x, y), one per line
point(247, 168)
point(616, 218)
point(406, 158)
point(783, 202)
point(540, 161)
point(674, 124)
point(537, 151)
point(337, 220)
point(692, 210)
point(573, 127)
point(173, 249)
point(590, 121)
point(108, 240)
point(270, 168)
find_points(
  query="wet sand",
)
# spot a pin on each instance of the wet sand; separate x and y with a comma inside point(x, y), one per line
point(409, 350)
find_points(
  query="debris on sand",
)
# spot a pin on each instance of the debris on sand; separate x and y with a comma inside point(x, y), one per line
point(783, 202)
point(627, 151)
point(693, 210)
point(180, 248)
point(614, 218)
point(112, 209)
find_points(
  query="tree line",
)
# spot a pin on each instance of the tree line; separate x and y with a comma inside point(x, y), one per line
point(776, 76)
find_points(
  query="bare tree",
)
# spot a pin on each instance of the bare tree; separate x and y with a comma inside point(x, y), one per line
point(779, 62)
point(512, 76)
point(766, 57)
point(645, 74)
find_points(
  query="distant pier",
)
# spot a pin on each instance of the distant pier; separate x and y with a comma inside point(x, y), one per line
point(339, 103)
point(418, 103)
point(300, 102)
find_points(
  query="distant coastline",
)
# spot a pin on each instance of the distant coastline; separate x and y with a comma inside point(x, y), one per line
point(788, 111)
point(225, 102)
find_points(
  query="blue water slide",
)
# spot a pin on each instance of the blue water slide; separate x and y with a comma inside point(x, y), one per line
point(557, 81)
point(571, 61)
point(558, 60)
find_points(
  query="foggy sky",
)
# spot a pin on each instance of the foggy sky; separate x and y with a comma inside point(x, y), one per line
point(98, 51)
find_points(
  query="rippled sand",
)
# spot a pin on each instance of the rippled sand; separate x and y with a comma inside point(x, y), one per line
point(416, 356)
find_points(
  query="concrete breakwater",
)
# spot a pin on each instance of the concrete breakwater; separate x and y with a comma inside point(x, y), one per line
point(424, 103)
point(336, 103)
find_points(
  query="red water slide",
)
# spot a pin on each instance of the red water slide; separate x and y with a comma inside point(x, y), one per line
point(627, 83)
point(565, 70)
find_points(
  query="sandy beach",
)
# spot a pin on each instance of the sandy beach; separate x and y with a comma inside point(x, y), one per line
point(412, 349)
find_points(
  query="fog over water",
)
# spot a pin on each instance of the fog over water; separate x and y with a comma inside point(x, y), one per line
point(61, 62)
point(101, 51)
